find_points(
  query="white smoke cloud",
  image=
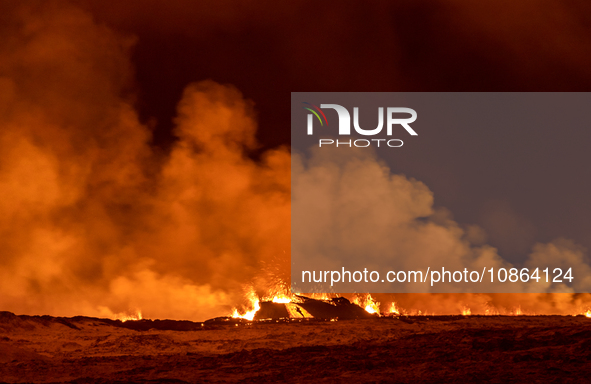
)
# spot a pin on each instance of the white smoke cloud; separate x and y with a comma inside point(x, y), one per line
point(350, 211)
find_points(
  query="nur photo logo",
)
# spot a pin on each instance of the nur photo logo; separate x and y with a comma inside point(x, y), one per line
point(394, 117)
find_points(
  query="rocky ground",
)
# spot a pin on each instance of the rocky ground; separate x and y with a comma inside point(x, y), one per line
point(411, 349)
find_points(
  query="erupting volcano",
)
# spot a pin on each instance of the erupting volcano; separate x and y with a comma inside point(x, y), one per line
point(151, 194)
point(336, 307)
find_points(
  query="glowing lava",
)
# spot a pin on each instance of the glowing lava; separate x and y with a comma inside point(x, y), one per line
point(367, 303)
point(393, 309)
point(124, 318)
point(249, 315)
point(283, 300)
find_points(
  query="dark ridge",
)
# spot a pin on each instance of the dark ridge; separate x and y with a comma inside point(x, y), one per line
point(161, 325)
point(270, 310)
point(338, 308)
point(10, 320)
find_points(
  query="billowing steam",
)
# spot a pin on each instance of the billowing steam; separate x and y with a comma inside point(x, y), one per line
point(353, 209)
point(94, 221)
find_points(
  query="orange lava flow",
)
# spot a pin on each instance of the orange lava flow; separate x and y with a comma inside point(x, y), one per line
point(372, 306)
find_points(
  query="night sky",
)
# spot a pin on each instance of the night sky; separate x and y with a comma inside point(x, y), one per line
point(269, 50)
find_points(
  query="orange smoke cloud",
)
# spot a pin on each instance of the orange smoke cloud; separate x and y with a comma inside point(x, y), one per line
point(93, 222)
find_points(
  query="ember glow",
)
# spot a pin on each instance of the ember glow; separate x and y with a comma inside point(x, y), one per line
point(393, 309)
point(368, 303)
point(281, 299)
point(249, 315)
point(133, 317)
point(253, 306)
point(380, 309)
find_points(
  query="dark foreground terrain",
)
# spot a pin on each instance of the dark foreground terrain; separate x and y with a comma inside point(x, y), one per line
point(414, 349)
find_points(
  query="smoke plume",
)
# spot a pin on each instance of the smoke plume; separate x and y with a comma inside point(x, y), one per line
point(93, 221)
point(348, 206)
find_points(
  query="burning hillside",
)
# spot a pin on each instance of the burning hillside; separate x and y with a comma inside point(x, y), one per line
point(335, 307)
point(302, 307)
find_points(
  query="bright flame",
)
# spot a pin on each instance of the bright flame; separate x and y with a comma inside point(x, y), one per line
point(283, 300)
point(518, 311)
point(280, 298)
point(393, 309)
point(365, 301)
point(124, 318)
point(370, 309)
point(254, 304)
point(368, 303)
point(249, 315)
